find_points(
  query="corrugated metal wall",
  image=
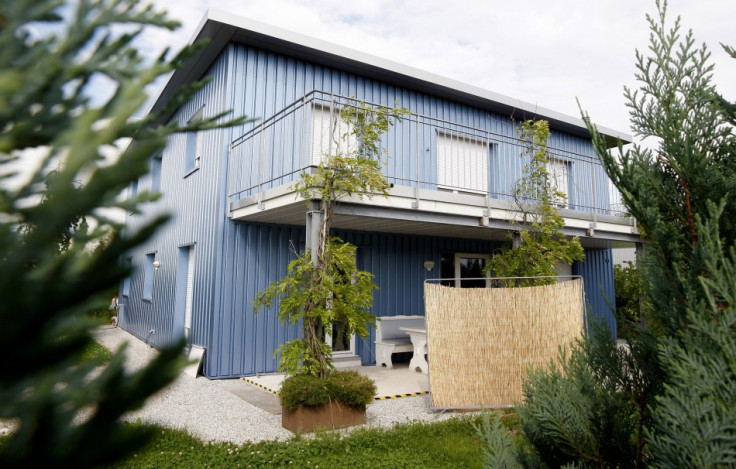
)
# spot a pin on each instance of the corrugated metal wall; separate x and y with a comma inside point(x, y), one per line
point(269, 83)
point(243, 342)
point(397, 262)
point(234, 260)
point(597, 273)
point(196, 204)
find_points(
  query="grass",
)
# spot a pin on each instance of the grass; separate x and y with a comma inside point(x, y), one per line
point(97, 351)
point(451, 443)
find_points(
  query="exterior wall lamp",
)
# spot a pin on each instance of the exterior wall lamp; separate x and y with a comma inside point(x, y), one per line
point(156, 264)
point(429, 265)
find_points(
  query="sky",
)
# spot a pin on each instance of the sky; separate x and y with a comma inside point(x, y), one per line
point(547, 53)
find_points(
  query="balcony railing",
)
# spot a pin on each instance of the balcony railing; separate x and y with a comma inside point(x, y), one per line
point(424, 153)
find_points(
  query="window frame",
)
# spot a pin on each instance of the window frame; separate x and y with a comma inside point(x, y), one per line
point(331, 115)
point(553, 177)
point(451, 171)
point(193, 145)
point(125, 290)
point(148, 276)
point(156, 164)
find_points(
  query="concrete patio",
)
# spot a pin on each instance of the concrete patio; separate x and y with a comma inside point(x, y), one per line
point(390, 383)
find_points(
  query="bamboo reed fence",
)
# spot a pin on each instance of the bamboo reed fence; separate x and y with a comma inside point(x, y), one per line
point(481, 341)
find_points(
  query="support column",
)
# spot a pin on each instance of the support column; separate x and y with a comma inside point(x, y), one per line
point(313, 226)
point(516, 240)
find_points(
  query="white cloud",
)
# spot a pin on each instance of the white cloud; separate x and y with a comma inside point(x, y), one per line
point(545, 53)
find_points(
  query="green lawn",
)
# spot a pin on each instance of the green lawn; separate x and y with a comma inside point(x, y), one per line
point(452, 443)
point(96, 351)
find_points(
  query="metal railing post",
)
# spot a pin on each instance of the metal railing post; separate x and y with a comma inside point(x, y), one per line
point(593, 190)
point(306, 153)
point(260, 170)
point(330, 128)
point(415, 204)
point(230, 177)
point(488, 180)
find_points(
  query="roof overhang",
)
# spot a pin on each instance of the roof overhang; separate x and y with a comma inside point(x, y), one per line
point(220, 28)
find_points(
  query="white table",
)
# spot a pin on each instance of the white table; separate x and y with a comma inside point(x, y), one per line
point(419, 340)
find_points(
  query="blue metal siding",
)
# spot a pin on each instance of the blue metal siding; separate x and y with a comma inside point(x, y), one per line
point(234, 261)
point(268, 83)
point(243, 343)
point(198, 212)
point(397, 261)
point(597, 273)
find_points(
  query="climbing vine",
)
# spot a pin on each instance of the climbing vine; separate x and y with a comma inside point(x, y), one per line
point(325, 287)
point(534, 251)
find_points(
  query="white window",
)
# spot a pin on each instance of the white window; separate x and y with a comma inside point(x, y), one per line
point(559, 184)
point(126, 280)
point(193, 151)
point(189, 290)
point(156, 173)
point(331, 135)
point(462, 164)
point(148, 276)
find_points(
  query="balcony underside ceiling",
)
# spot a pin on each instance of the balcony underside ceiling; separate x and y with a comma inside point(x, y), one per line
point(466, 218)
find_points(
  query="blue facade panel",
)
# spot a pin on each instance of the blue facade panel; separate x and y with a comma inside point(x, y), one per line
point(267, 84)
point(243, 342)
point(195, 201)
point(397, 263)
point(600, 293)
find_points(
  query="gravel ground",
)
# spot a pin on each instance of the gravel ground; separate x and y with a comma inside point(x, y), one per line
point(209, 412)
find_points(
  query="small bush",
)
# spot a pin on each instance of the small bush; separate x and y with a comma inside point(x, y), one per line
point(303, 389)
point(633, 307)
point(346, 387)
point(351, 388)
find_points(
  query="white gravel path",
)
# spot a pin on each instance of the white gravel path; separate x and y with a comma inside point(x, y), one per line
point(209, 412)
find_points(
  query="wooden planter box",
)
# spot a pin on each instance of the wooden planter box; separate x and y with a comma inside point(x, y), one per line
point(329, 416)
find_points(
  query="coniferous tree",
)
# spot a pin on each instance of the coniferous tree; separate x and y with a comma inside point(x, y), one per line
point(680, 384)
point(683, 195)
point(65, 412)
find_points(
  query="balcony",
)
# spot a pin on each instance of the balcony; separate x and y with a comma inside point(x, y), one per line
point(448, 178)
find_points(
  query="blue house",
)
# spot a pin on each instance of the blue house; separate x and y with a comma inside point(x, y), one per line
point(236, 222)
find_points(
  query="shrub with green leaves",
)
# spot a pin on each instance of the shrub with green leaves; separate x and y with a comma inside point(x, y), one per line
point(633, 306)
point(694, 421)
point(349, 388)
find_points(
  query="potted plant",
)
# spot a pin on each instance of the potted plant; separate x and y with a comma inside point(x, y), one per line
point(339, 400)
